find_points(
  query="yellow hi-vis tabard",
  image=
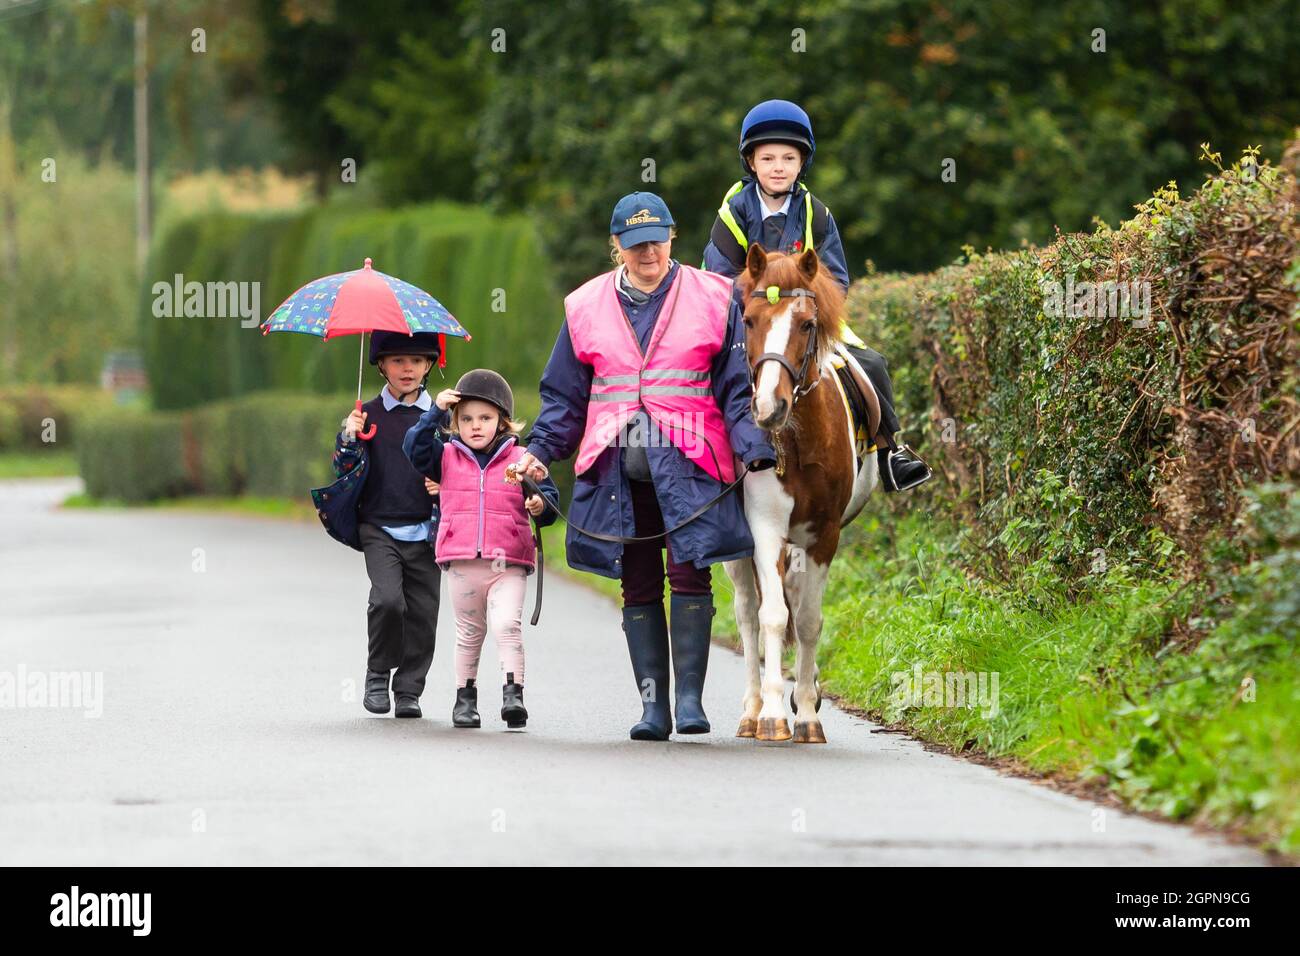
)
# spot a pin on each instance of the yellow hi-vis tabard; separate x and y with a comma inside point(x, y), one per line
point(847, 335)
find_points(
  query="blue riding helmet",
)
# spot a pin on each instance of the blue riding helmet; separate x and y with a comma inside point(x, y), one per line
point(777, 121)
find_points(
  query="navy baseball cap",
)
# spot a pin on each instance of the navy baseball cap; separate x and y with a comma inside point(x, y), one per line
point(641, 217)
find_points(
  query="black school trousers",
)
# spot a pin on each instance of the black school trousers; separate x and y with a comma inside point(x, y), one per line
point(402, 615)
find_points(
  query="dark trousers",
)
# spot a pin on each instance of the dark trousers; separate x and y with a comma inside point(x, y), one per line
point(873, 363)
point(402, 615)
point(643, 561)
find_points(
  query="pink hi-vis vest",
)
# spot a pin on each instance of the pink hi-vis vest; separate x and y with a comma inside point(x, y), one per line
point(672, 381)
point(481, 514)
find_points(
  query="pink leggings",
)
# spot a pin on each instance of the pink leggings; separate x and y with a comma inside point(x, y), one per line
point(487, 599)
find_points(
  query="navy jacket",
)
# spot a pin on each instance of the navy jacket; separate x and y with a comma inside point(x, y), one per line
point(746, 207)
point(602, 499)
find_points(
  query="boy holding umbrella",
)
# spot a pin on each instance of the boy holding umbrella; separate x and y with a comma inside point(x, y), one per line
point(394, 523)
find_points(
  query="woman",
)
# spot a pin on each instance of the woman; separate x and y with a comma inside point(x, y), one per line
point(649, 384)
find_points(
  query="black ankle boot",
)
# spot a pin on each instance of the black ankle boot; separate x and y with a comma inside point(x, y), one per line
point(647, 645)
point(512, 703)
point(465, 713)
point(692, 624)
point(376, 700)
point(901, 469)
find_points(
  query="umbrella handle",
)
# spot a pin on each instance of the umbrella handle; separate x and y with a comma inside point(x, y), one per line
point(369, 433)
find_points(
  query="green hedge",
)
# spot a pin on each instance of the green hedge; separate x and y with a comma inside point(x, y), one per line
point(1116, 529)
point(459, 254)
point(132, 456)
point(1141, 436)
point(268, 444)
point(265, 444)
point(24, 410)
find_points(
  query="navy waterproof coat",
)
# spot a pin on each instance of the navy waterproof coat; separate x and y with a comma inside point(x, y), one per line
point(602, 500)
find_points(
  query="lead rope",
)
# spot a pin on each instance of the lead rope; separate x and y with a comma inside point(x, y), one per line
point(530, 487)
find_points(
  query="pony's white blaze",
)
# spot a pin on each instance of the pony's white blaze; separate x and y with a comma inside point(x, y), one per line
point(769, 373)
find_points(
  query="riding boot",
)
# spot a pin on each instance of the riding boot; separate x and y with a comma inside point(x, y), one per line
point(512, 703)
point(901, 469)
point(692, 622)
point(647, 645)
point(465, 713)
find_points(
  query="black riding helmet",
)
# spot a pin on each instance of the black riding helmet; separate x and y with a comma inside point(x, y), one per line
point(488, 386)
point(401, 343)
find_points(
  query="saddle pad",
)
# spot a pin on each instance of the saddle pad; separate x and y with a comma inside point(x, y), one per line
point(855, 406)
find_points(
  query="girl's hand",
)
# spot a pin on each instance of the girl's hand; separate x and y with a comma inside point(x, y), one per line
point(430, 486)
point(356, 422)
point(534, 504)
point(446, 398)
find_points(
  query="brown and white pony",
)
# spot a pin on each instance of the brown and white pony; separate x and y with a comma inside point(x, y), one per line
point(793, 311)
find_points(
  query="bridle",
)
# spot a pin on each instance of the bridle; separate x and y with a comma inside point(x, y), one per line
point(773, 294)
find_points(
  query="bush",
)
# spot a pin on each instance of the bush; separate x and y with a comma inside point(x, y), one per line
point(1153, 423)
point(132, 456)
point(25, 409)
point(267, 444)
point(1116, 532)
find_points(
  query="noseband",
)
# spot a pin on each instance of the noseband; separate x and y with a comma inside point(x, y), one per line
point(773, 294)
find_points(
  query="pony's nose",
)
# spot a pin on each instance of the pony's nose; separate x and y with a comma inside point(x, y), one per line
point(777, 417)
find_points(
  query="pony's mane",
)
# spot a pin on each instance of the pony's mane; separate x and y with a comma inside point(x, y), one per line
point(783, 270)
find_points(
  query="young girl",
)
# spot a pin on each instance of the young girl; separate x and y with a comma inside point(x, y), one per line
point(484, 540)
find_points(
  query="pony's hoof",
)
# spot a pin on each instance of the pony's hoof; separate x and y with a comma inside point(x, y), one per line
point(748, 727)
point(809, 733)
point(773, 728)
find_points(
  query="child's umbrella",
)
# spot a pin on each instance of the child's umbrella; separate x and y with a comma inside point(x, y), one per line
point(360, 301)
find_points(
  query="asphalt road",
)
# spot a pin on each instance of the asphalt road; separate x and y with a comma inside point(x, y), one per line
point(232, 652)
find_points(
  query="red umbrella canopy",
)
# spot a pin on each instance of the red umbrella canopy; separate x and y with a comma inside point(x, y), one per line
point(363, 300)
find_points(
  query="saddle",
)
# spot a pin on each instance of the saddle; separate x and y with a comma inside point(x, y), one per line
point(860, 397)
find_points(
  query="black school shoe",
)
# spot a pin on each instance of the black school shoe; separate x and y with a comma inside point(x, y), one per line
point(901, 469)
point(408, 705)
point(376, 700)
point(465, 713)
point(512, 703)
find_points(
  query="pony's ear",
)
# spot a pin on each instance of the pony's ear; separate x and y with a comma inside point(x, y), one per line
point(809, 264)
point(756, 261)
